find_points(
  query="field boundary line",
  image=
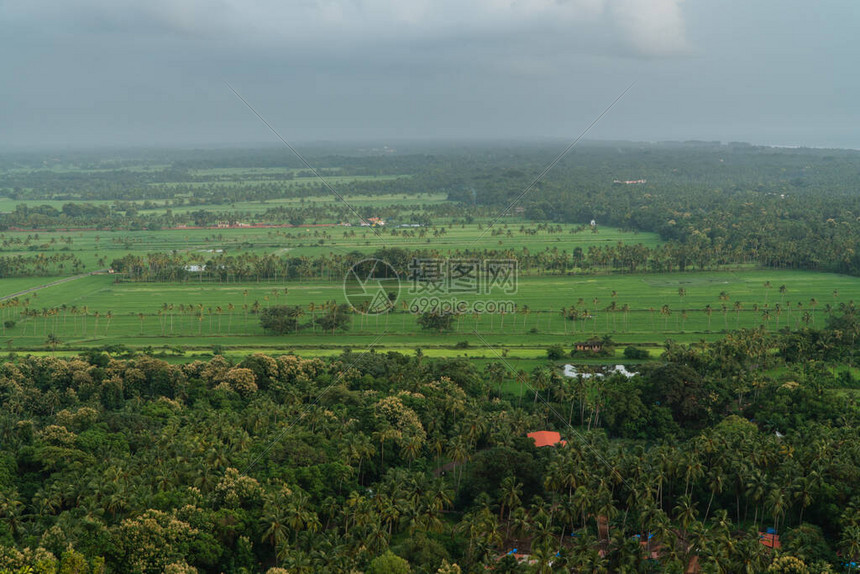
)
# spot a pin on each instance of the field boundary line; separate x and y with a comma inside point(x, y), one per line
point(53, 283)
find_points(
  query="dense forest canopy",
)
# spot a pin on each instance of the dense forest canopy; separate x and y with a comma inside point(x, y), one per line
point(131, 463)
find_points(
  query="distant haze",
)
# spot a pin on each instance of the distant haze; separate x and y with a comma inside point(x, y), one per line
point(117, 72)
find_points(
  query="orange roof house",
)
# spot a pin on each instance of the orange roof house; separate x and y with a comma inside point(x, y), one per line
point(546, 438)
point(769, 539)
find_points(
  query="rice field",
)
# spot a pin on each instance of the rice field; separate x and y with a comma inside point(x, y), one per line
point(642, 309)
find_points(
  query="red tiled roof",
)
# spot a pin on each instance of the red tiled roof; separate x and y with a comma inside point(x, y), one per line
point(769, 540)
point(546, 438)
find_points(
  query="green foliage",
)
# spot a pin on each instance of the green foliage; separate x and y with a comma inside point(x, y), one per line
point(555, 353)
point(635, 353)
point(681, 390)
point(334, 318)
point(389, 563)
point(808, 543)
point(190, 466)
point(323, 464)
point(427, 554)
point(433, 321)
point(281, 319)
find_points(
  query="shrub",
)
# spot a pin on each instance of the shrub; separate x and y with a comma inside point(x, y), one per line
point(635, 353)
point(555, 353)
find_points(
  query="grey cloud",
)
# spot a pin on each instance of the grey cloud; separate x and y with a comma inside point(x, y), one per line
point(122, 72)
point(648, 27)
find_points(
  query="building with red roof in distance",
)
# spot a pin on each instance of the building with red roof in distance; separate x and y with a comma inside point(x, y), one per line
point(546, 438)
point(770, 539)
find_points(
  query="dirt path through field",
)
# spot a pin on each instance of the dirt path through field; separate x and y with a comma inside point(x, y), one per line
point(51, 284)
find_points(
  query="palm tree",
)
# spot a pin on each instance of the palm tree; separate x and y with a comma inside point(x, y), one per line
point(540, 379)
point(778, 503)
point(666, 312)
point(274, 520)
point(849, 543)
point(511, 492)
point(52, 341)
point(803, 488)
point(755, 489)
point(411, 449)
point(715, 485)
point(765, 315)
point(611, 309)
point(496, 372)
point(458, 452)
point(11, 509)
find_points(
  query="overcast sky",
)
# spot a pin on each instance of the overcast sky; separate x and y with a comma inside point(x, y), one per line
point(85, 72)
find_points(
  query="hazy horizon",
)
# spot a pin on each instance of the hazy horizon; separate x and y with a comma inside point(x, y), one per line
point(395, 145)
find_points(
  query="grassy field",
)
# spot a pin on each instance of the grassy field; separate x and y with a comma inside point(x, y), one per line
point(98, 248)
point(312, 182)
point(316, 196)
point(642, 309)
point(159, 314)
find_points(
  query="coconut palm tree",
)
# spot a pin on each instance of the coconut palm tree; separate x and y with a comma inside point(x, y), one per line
point(510, 493)
point(458, 452)
point(52, 341)
point(849, 543)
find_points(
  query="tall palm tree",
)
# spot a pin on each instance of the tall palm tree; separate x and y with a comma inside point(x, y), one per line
point(849, 543)
point(510, 493)
point(777, 501)
point(52, 341)
point(458, 452)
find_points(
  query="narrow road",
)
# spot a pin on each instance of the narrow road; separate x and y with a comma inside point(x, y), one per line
point(52, 283)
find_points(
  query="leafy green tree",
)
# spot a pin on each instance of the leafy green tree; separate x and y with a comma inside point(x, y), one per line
point(280, 319)
point(435, 321)
point(389, 563)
